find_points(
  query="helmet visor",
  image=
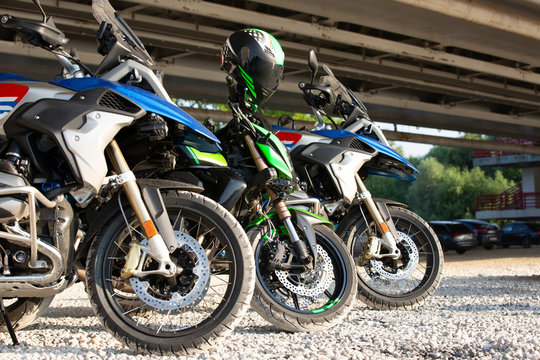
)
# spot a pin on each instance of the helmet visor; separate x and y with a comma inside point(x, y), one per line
point(266, 73)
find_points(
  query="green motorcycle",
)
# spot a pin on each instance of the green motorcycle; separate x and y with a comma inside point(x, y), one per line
point(306, 279)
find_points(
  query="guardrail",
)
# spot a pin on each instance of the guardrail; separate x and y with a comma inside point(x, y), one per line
point(505, 201)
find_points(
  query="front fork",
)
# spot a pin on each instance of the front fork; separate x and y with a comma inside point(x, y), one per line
point(156, 244)
point(383, 223)
point(281, 208)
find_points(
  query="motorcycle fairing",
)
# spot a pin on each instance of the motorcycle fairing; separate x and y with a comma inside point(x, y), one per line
point(80, 135)
point(145, 99)
point(381, 148)
point(275, 152)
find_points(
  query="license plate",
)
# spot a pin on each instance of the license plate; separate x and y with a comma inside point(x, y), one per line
point(493, 238)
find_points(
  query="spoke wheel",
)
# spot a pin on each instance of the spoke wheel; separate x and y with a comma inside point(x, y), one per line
point(302, 300)
point(188, 311)
point(404, 283)
point(24, 311)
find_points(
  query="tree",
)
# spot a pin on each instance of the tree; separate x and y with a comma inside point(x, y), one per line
point(445, 193)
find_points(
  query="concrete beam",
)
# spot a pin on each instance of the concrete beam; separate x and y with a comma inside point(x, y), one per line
point(223, 12)
point(482, 14)
point(224, 116)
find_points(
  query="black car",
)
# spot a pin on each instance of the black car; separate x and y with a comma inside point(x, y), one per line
point(521, 233)
point(454, 235)
point(487, 234)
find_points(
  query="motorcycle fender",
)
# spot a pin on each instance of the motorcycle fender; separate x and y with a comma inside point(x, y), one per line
point(96, 218)
point(306, 220)
point(354, 213)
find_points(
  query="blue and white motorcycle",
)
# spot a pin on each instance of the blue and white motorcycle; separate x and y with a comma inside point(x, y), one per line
point(398, 256)
point(167, 270)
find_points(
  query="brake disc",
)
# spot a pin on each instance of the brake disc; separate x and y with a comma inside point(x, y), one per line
point(312, 283)
point(177, 300)
point(408, 245)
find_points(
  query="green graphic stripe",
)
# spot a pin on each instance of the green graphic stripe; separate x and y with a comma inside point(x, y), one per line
point(213, 158)
point(193, 154)
point(326, 307)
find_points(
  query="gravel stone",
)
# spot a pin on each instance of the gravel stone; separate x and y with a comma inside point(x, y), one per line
point(487, 307)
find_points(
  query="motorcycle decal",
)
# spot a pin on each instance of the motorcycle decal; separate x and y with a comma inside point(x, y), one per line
point(288, 138)
point(10, 95)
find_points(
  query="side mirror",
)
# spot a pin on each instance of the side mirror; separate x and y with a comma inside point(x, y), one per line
point(313, 64)
point(38, 4)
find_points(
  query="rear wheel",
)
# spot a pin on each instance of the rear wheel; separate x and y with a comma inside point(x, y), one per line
point(396, 284)
point(189, 311)
point(24, 311)
point(526, 243)
point(297, 300)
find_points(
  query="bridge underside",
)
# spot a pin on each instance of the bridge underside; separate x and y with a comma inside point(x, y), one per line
point(471, 66)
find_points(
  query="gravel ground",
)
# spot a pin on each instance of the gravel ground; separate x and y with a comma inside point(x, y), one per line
point(487, 307)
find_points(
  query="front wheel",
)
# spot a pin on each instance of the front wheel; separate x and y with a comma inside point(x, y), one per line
point(301, 300)
point(404, 283)
point(186, 312)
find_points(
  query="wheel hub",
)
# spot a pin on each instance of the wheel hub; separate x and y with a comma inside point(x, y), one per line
point(312, 283)
point(199, 279)
point(408, 246)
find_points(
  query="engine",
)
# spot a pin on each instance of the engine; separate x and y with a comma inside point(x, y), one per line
point(11, 207)
point(49, 230)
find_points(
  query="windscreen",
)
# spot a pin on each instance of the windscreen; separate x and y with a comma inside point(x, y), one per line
point(103, 11)
point(338, 88)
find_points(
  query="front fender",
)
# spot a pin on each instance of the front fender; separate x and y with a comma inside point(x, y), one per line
point(97, 217)
point(354, 213)
point(305, 220)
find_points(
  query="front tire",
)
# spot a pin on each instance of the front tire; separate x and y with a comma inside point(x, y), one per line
point(145, 326)
point(281, 303)
point(380, 285)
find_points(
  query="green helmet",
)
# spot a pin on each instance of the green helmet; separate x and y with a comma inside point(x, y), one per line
point(254, 59)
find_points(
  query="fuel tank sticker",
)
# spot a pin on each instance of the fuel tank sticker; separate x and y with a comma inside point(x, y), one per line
point(10, 95)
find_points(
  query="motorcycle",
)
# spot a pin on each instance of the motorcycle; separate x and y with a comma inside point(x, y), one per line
point(398, 257)
point(305, 275)
point(167, 269)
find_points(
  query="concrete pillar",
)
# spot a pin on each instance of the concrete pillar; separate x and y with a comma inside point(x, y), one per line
point(530, 179)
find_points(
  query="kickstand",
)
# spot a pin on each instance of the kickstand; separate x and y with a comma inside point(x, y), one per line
point(8, 323)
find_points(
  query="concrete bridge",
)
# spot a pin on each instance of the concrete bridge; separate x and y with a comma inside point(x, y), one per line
point(461, 65)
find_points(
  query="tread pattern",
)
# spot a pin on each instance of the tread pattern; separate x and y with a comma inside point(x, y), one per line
point(288, 320)
point(187, 345)
point(408, 302)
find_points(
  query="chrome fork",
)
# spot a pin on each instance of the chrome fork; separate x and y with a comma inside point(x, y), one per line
point(157, 248)
point(386, 227)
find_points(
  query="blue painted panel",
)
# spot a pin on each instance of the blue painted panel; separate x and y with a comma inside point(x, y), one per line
point(145, 99)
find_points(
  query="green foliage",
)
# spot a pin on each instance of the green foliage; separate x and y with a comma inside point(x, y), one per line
point(441, 192)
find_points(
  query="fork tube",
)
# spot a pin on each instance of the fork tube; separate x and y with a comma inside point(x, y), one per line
point(281, 208)
point(131, 189)
point(155, 241)
point(387, 237)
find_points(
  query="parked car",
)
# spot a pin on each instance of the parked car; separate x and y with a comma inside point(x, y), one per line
point(520, 233)
point(454, 235)
point(487, 234)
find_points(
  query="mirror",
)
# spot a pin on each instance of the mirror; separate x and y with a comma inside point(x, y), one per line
point(313, 64)
point(38, 4)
